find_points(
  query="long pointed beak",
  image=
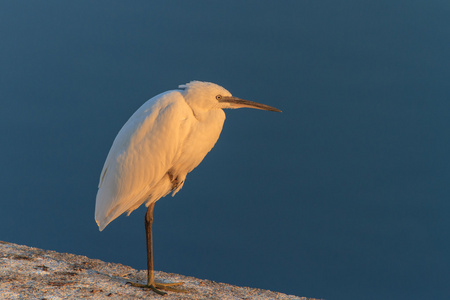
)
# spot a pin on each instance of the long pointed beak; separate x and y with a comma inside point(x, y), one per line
point(238, 103)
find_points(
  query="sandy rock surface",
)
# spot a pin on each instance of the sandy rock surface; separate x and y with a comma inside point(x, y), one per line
point(32, 273)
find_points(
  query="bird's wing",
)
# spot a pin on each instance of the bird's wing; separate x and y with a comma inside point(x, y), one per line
point(141, 155)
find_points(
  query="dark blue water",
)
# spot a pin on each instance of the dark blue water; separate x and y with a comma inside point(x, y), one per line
point(345, 195)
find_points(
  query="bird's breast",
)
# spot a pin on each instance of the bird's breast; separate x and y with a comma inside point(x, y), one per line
point(201, 138)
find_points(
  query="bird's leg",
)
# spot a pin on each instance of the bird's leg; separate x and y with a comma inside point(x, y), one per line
point(173, 180)
point(154, 286)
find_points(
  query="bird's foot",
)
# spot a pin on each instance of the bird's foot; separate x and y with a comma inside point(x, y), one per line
point(157, 287)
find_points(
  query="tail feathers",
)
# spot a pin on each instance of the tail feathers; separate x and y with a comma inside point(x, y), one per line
point(104, 214)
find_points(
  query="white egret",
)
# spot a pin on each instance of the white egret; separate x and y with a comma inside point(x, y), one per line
point(164, 140)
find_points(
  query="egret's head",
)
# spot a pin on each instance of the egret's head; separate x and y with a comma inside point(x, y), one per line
point(206, 95)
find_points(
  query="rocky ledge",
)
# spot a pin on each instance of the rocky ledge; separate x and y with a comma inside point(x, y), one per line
point(32, 273)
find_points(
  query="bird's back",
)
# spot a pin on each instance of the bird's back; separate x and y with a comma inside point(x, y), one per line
point(140, 155)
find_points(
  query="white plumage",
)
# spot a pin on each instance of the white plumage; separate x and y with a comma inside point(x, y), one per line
point(164, 139)
point(158, 146)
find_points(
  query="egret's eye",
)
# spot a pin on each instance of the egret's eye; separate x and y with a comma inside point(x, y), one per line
point(218, 97)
